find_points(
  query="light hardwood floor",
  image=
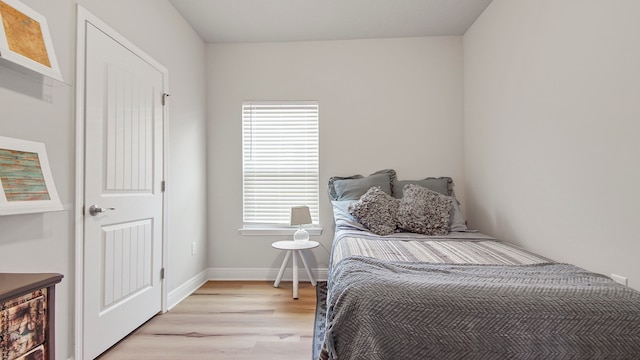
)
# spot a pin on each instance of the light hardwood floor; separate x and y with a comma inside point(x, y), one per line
point(228, 320)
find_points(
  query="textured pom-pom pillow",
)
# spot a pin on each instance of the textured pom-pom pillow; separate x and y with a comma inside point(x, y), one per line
point(424, 211)
point(377, 211)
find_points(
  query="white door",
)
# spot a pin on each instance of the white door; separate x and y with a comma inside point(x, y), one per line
point(123, 175)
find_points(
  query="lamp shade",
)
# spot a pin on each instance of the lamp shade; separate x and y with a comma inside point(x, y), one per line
point(300, 215)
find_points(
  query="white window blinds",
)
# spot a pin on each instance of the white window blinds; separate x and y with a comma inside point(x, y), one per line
point(280, 160)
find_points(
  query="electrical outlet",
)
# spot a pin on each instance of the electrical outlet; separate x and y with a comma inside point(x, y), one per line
point(619, 279)
point(193, 248)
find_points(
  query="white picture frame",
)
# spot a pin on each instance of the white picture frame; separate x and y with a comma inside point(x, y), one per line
point(26, 183)
point(25, 40)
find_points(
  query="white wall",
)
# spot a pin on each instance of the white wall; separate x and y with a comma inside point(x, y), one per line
point(552, 129)
point(392, 103)
point(29, 110)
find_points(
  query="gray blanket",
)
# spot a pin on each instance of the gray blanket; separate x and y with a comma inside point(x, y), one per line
point(386, 310)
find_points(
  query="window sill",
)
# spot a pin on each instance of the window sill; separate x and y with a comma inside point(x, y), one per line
point(277, 231)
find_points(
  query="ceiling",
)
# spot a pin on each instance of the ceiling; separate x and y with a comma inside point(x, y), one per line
point(308, 20)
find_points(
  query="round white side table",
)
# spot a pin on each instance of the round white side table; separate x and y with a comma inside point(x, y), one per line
point(297, 248)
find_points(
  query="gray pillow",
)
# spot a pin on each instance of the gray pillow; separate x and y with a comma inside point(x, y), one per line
point(341, 210)
point(456, 219)
point(377, 211)
point(443, 185)
point(353, 187)
point(424, 211)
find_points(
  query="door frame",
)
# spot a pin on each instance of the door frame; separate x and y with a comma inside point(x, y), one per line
point(84, 17)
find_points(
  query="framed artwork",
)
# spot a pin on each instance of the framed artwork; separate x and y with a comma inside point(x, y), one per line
point(26, 184)
point(25, 39)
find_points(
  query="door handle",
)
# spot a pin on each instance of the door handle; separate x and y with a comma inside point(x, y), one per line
point(95, 210)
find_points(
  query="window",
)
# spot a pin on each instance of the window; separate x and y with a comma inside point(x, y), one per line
point(279, 161)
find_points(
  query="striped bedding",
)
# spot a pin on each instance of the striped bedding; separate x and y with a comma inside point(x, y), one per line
point(441, 251)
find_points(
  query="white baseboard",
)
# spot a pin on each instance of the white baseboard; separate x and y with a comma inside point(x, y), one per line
point(186, 289)
point(264, 274)
point(237, 274)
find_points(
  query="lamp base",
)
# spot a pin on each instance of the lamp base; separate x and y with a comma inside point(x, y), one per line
point(301, 236)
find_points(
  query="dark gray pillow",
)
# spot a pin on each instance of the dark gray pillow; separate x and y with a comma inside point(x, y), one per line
point(377, 211)
point(353, 187)
point(443, 185)
point(424, 211)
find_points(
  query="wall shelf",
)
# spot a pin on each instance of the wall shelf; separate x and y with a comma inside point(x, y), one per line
point(25, 40)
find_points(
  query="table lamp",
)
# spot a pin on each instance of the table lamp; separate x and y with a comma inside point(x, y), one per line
point(300, 215)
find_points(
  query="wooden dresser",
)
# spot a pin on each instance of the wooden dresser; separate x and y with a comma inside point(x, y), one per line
point(27, 321)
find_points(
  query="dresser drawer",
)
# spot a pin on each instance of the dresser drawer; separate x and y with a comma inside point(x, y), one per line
point(22, 325)
point(35, 354)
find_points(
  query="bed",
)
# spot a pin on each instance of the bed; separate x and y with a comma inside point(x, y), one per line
point(458, 294)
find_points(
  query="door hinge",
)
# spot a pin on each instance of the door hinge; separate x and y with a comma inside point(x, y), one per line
point(163, 186)
point(162, 274)
point(164, 98)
